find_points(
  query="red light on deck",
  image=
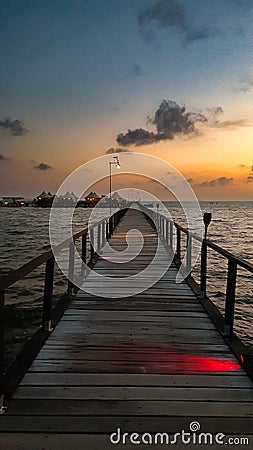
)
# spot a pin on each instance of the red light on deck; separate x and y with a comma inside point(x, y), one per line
point(215, 365)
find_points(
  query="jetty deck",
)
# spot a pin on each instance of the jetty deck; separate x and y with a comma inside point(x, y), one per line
point(153, 362)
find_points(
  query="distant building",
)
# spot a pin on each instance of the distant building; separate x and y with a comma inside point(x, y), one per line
point(44, 200)
point(14, 202)
point(66, 200)
point(92, 199)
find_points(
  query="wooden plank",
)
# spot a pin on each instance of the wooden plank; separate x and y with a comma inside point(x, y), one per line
point(160, 367)
point(107, 424)
point(96, 379)
point(136, 393)
point(132, 407)
point(79, 442)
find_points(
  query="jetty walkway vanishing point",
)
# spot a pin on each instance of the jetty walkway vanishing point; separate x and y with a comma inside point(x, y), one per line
point(155, 362)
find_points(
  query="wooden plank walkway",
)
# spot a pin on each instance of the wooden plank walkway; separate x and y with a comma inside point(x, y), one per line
point(153, 362)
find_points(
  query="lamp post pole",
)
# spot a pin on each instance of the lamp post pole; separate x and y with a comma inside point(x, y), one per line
point(116, 163)
point(110, 187)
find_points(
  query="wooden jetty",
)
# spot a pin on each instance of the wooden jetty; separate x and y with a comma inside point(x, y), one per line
point(156, 362)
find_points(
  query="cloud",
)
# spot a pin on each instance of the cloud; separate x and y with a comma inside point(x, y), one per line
point(233, 124)
point(13, 127)
point(249, 179)
point(246, 84)
point(136, 71)
point(4, 158)
point(43, 166)
point(221, 181)
point(199, 34)
point(170, 120)
point(170, 15)
point(164, 14)
point(116, 150)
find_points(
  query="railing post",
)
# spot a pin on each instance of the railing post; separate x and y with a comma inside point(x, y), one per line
point(48, 292)
point(230, 297)
point(71, 268)
point(110, 227)
point(103, 233)
point(92, 251)
point(178, 246)
point(84, 248)
point(2, 407)
point(189, 254)
point(171, 235)
point(99, 237)
point(203, 269)
point(84, 254)
point(167, 232)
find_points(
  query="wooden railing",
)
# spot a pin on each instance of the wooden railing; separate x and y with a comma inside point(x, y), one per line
point(166, 227)
point(101, 231)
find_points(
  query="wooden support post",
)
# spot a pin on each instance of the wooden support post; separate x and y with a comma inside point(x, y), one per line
point(110, 227)
point(2, 407)
point(189, 254)
point(84, 248)
point(230, 297)
point(48, 292)
point(103, 233)
point(178, 246)
point(92, 251)
point(71, 268)
point(171, 235)
point(167, 232)
point(203, 269)
point(99, 237)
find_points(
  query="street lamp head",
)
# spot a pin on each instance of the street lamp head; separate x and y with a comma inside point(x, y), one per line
point(116, 162)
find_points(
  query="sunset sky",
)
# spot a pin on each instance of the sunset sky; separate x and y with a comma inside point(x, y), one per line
point(76, 75)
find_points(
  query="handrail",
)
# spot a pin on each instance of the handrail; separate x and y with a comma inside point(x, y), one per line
point(165, 228)
point(21, 272)
point(227, 254)
point(104, 228)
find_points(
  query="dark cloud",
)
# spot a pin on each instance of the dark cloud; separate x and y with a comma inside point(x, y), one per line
point(249, 179)
point(136, 71)
point(221, 181)
point(13, 127)
point(199, 34)
point(170, 120)
point(116, 150)
point(246, 84)
point(164, 13)
point(233, 124)
point(43, 166)
point(4, 158)
point(170, 15)
point(139, 136)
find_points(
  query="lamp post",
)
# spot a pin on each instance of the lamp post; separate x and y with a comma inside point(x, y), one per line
point(116, 163)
